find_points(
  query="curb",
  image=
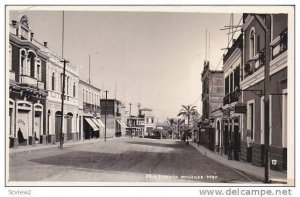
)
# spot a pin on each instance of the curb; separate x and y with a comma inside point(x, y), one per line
point(274, 181)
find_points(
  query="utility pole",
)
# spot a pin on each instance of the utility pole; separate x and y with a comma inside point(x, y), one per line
point(62, 104)
point(63, 85)
point(130, 135)
point(105, 110)
point(266, 93)
point(267, 99)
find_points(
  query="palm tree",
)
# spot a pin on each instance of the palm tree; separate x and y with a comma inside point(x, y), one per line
point(179, 122)
point(170, 122)
point(187, 111)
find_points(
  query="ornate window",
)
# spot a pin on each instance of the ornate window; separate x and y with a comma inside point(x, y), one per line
point(38, 70)
point(53, 81)
point(23, 62)
point(74, 90)
point(31, 63)
point(252, 43)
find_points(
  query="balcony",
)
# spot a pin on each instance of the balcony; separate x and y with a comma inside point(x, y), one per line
point(12, 76)
point(254, 64)
point(41, 85)
point(87, 107)
point(28, 80)
point(234, 96)
point(230, 98)
point(280, 46)
point(226, 99)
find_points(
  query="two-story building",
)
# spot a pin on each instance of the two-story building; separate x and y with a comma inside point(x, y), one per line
point(264, 34)
point(212, 100)
point(54, 88)
point(90, 124)
point(111, 111)
point(228, 129)
point(27, 85)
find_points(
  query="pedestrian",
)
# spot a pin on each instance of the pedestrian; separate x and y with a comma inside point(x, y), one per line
point(20, 136)
point(199, 142)
point(229, 150)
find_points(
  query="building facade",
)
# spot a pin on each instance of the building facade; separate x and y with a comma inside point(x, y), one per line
point(90, 124)
point(212, 100)
point(54, 88)
point(27, 86)
point(257, 44)
point(212, 90)
point(232, 101)
point(115, 125)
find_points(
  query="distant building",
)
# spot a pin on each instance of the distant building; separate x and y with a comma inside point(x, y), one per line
point(212, 90)
point(115, 125)
point(90, 124)
point(149, 124)
point(212, 100)
point(142, 124)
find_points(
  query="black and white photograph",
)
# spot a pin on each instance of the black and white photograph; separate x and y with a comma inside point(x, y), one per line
point(149, 95)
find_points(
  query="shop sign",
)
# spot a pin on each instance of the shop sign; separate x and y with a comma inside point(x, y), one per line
point(240, 108)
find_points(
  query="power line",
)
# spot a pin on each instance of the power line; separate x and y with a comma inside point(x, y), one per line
point(229, 41)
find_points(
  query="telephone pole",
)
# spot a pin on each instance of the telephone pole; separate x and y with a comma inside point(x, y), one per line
point(61, 140)
point(105, 110)
point(62, 105)
point(267, 99)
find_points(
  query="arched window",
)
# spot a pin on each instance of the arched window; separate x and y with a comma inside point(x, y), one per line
point(61, 82)
point(83, 98)
point(53, 81)
point(92, 102)
point(74, 90)
point(31, 63)
point(87, 96)
point(67, 84)
point(23, 62)
point(252, 43)
point(10, 57)
point(38, 70)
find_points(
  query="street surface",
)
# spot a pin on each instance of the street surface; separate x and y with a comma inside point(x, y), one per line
point(122, 160)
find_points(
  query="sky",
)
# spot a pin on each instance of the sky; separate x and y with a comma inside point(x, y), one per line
point(152, 58)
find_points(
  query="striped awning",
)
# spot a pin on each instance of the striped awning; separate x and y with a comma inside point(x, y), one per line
point(92, 124)
point(122, 124)
point(98, 122)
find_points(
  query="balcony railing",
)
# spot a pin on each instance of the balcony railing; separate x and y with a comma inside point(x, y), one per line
point(234, 96)
point(254, 64)
point(280, 46)
point(41, 85)
point(28, 80)
point(87, 107)
point(12, 76)
point(230, 97)
point(226, 99)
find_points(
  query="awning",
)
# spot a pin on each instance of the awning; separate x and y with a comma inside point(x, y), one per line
point(92, 124)
point(122, 124)
point(100, 122)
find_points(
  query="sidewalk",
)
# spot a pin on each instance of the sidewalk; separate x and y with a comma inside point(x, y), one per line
point(247, 168)
point(51, 146)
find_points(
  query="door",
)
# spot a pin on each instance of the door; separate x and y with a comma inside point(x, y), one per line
point(236, 140)
point(57, 126)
